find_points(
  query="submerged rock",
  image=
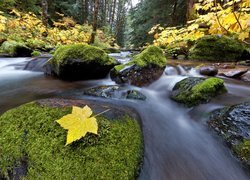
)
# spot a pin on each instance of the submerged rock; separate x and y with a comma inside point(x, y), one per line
point(246, 77)
point(234, 73)
point(79, 62)
point(233, 125)
point(36, 64)
point(217, 48)
point(208, 71)
point(16, 49)
point(33, 144)
point(115, 92)
point(193, 91)
point(144, 68)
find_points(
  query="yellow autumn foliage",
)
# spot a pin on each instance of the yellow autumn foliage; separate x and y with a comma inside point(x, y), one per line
point(232, 18)
point(24, 26)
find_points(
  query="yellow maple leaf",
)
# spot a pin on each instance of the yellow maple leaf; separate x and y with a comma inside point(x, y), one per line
point(78, 123)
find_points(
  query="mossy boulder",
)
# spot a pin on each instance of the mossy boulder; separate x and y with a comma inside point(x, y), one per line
point(79, 62)
point(193, 91)
point(217, 48)
point(33, 144)
point(143, 69)
point(232, 123)
point(15, 49)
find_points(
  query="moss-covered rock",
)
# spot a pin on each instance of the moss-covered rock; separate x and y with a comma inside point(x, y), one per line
point(232, 123)
point(79, 62)
point(15, 49)
point(32, 141)
point(217, 48)
point(143, 69)
point(193, 90)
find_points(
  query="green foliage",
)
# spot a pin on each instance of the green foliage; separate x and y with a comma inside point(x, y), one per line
point(36, 53)
point(217, 48)
point(82, 52)
point(193, 91)
point(11, 47)
point(31, 131)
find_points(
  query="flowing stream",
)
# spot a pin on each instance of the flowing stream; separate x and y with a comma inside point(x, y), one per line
point(177, 144)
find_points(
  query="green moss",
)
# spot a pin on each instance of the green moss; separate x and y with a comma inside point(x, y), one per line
point(81, 52)
point(36, 53)
point(198, 92)
point(216, 48)
point(243, 150)
point(150, 56)
point(31, 131)
point(11, 47)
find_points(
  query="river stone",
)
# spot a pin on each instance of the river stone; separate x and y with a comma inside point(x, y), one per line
point(208, 71)
point(217, 48)
point(33, 144)
point(193, 91)
point(37, 64)
point(79, 62)
point(233, 125)
point(246, 77)
point(16, 49)
point(136, 75)
point(115, 92)
point(142, 70)
point(235, 73)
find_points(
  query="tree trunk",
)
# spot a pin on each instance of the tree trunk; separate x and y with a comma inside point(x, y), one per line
point(190, 5)
point(113, 15)
point(45, 12)
point(95, 18)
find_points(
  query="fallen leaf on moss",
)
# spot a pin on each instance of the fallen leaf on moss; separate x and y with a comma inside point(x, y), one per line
point(78, 123)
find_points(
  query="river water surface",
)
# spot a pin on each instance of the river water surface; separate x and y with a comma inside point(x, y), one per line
point(177, 144)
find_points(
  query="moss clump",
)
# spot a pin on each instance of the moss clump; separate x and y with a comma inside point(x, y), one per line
point(150, 56)
point(79, 62)
point(31, 132)
point(82, 52)
point(243, 150)
point(217, 48)
point(193, 91)
point(15, 49)
point(36, 53)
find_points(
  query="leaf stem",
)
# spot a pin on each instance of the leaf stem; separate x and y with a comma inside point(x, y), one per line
point(101, 113)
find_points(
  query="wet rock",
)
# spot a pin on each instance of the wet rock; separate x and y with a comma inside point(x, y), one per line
point(115, 92)
point(246, 77)
point(136, 75)
point(217, 48)
point(193, 91)
point(234, 73)
point(79, 62)
point(27, 148)
point(16, 49)
point(171, 70)
point(233, 125)
point(244, 63)
point(208, 71)
point(37, 64)
point(142, 70)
